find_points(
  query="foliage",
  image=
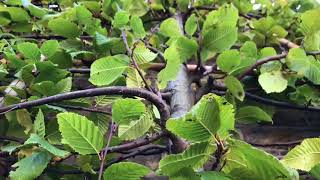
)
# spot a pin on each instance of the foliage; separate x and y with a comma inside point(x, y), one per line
point(87, 85)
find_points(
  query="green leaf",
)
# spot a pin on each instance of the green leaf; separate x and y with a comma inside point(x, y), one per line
point(248, 54)
point(235, 87)
point(49, 47)
point(134, 79)
point(185, 174)
point(62, 59)
point(64, 28)
point(228, 60)
point(30, 167)
point(24, 120)
point(315, 171)
point(191, 25)
point(136, 25)
point(227, 113)
point(16, 14)
point(37, 11)
point(304, 65)
point(304, 156)
point(220, 39)
point(309, 21)
point(143, 55)
point(136, 7)
point(106, 70)
point(170, 28)
point(125, 171)
point(64, 85)
point(84, 16)
point(213, 175)
point(252, 114)
point(195, 156)
point(170, 71)
point(39, 125)
point(80, 133)
point(136, 128)
point(3, 71)
point(49, 72)
point(121, 19)
point(225, 16)
point(126, 110)
point(35, 139)
point(273, 82)
point(30, 51)
point(246, 162)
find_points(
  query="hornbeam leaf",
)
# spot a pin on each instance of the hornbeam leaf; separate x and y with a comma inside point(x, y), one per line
point(30, 167)
point(143, 55)
point(80, 133)
point(106, 70)
point(195, 156)
point(64, 28)
point(304, 156)
point(235, 87)
point(136, 128)
point(252, 114)
point(39, 125)
point(191, 25)
point(170, 28)
point(125, 171)
point(273, 82)
point(137, 27)
point(126, 110)
point(35, 139)
point(220, 39)
point(246, 162)
point(30, 50)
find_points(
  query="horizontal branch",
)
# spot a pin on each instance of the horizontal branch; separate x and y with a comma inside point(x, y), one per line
point(272, 102)
point(11, 138)
point(120, 148)
point(260, 62)
point(115, 90)
point(79, 108)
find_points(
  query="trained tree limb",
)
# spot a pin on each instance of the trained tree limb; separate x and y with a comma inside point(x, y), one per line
point(115, 90)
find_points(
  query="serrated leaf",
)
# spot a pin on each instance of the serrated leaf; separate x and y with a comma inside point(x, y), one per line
point(30, 50)
point(24, 120)
point(170, 28)
point(169, 72)
point(213, 175)
point(105, 100)
point(246, 162)
point(121, 18)
point(228, 60)
point(136, 25)
point(35, 139)
point(80, 133)
point(136, 128)
point(226, 15)
point(273, 82)
point(195, 156)
point(64, 85)
point(30, 167)
point(126, 110)
point(125, 171)
point(304, 156)
point(191, 25)
point(220, 39)
point(143, 55)
point(252, 114)
point(186, 173)
point(134, 79)
point(39, 125)
point(298, 61)
point(64, 27)
point(235, 87)
point(49, 47)
point(106, 70)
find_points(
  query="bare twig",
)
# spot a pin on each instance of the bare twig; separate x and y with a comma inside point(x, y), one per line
point(79, 108)
point(260, 62)
point(105, 150)
point(134, 63)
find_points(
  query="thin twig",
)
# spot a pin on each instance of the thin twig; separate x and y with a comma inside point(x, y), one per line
point(79, 108)
point(134, 63)
point(11, 138)
point(105, 150)
point(260, 62)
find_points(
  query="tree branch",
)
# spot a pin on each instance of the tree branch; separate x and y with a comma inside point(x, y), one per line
point(79, 108)
point(115, 90)
point(260, 62)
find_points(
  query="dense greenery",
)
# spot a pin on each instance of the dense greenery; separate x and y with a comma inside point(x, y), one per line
point(88, 84)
